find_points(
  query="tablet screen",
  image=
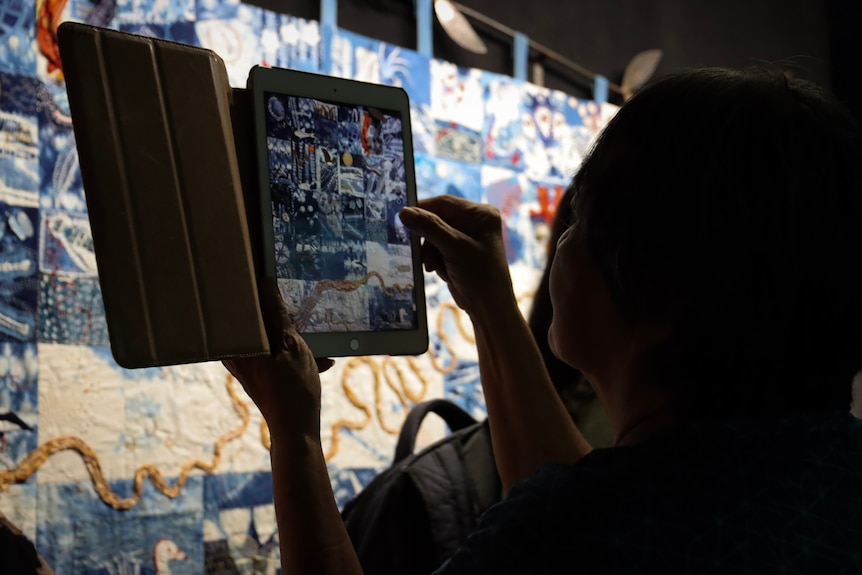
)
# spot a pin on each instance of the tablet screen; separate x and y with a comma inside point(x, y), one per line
point(337, 177)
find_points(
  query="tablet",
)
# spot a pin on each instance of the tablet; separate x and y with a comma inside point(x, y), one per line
point(335, 166)
point(154, 125)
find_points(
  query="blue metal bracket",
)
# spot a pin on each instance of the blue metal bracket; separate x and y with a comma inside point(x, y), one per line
point(600, 89)
point(329, 12)
point(425, 27)
point(521, 56)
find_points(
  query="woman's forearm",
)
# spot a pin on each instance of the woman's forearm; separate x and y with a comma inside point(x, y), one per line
point(311, 533)
point(529, 424)
point(464, 245)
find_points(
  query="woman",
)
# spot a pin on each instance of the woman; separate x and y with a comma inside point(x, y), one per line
point(707, 290)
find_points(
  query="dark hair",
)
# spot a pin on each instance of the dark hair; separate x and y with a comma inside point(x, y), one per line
point(726, 206)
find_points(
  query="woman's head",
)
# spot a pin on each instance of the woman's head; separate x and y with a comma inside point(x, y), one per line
point(725, 208)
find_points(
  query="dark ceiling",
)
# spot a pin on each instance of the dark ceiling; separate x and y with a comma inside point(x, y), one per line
point(816, 39)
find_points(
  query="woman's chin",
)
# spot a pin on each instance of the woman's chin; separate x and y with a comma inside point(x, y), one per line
point(552, 343)
point(568, 354)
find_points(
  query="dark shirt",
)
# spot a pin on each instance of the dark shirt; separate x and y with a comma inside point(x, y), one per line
point(780, 497)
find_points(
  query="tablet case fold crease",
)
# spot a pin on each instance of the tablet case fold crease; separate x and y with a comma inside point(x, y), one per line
point(155, 138)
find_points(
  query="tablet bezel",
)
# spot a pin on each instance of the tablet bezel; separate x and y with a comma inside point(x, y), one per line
point(350, 92)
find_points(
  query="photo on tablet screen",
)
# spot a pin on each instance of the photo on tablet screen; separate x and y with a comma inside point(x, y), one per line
point(338, 180)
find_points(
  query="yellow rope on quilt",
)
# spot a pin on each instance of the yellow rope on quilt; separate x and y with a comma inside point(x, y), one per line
point(388, 364)
point(354, 399)
point(403, 393)
point(444, 339)
point(37, 458)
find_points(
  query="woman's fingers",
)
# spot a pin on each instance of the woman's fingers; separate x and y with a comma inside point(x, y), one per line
point(323, 363)
point(284, 339)
point(231, 366)
point(276, 317)
point(432, 227)
point(432, 258)
point(446, 206)
point(462, 244)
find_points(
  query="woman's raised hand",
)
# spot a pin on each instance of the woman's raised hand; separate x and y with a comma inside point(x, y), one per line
point(284, 385)
point(464, 245)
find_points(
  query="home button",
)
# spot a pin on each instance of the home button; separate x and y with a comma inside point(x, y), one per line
point(354, 344)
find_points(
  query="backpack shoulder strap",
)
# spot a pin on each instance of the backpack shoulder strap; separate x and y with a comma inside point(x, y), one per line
point(455, 417)
point(481, 468)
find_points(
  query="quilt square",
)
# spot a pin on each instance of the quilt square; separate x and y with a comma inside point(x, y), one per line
point(19, 403)
point(79, 534)
point(71, 310)
point(17, 35)
point(235, 40)
point(19, 140)
point(18, 273)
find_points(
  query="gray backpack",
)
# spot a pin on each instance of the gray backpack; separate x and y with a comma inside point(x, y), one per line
point(415, 514)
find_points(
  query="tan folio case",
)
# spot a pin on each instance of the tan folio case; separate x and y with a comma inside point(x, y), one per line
point(158, 150)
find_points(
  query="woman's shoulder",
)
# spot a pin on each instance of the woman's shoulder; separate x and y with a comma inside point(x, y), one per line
point(704, 498)
point(704, 461)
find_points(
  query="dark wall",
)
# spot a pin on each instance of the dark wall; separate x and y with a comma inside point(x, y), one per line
point(845, 52)
point(815, 39)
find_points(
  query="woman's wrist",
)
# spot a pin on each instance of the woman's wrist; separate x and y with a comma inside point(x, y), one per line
point(495, 308)
point(294, 443)
point(292, 427)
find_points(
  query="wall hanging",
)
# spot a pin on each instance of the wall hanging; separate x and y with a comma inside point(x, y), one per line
point(166, 470)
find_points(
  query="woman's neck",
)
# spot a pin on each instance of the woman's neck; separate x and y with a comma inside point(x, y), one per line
point(640, 425)
point(636, 409)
